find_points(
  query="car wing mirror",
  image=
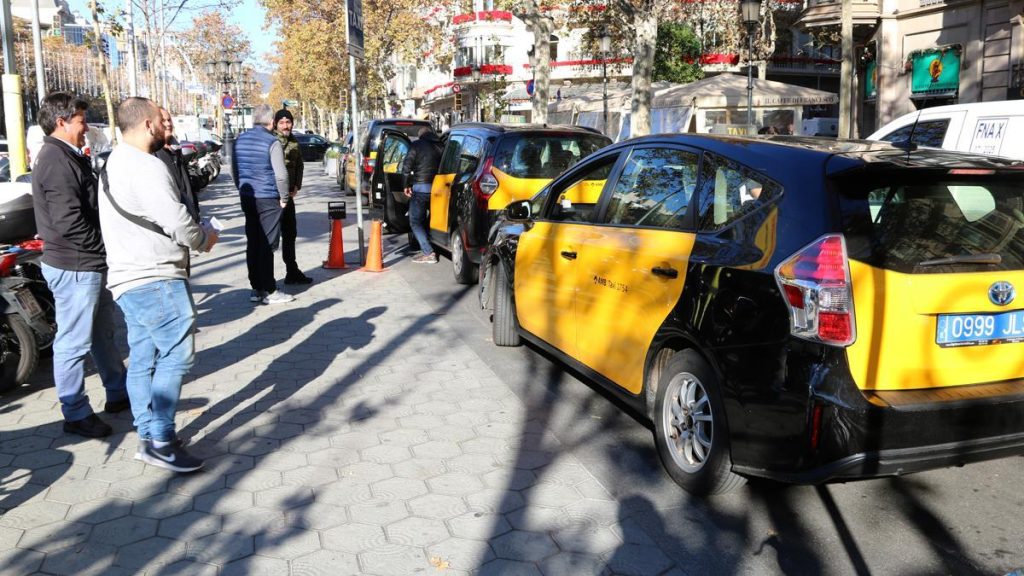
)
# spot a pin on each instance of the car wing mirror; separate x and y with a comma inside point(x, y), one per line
point(519, 211)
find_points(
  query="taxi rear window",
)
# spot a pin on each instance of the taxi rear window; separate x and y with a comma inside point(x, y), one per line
point(544, 155)
point(935, 223)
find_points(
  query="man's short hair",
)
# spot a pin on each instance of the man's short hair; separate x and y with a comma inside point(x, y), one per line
point(423, 132)
point(133, 111)
point(262, 115)
point(59, 105)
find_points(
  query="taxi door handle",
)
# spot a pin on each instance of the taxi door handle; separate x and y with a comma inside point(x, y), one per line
point(568, 255)
point(665, 272)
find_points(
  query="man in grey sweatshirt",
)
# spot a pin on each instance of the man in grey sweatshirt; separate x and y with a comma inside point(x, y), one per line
point(148, 234)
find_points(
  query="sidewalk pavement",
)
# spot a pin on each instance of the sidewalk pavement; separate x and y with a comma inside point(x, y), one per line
point(349, 432)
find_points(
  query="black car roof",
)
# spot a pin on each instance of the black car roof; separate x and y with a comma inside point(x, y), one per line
point(765, 152)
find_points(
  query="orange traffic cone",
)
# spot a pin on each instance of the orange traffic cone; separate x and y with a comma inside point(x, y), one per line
point(375, 255)
point(336, 251)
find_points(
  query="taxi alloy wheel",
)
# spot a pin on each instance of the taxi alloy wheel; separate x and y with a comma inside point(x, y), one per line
point(461, 266)
point(690, 430)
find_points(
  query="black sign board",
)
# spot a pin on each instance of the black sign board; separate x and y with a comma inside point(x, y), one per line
point(355, 28)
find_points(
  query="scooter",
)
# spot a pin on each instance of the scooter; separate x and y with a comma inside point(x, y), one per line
point(25, 324)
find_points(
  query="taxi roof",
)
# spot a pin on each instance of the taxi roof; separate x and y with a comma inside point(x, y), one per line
point(511, 128)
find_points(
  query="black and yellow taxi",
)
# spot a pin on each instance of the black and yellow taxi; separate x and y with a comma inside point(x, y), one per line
point(484, 167)
point(792, 308)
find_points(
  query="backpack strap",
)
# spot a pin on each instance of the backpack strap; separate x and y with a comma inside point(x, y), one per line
point(151, 226)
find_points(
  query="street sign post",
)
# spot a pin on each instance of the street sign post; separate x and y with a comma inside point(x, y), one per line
point(354, 39)
point(227, 102)
point(456, 88)
point(355, 28)
point(531, 87)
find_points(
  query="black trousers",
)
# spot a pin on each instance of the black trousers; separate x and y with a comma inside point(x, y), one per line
point(262, 235)
point(288, 234)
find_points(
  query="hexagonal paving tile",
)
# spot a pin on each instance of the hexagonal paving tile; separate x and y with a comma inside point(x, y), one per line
point(572, 563)
point(224, 501)
point(553, 495)
point(398, 488)
point(41, 459)
point(282, 461)
point(226, 464)
point(195, 484)
point(188, 568)
point(77, 492)
point(344, 492)
point(150, 553)
point(417, 531)
point(83, 560)
point(9, 537)
point(509, 479)
point(326, 562)
point(255, 446)
point(474, 463)
point(55, 536)
point(355, 440)
point(284, 497)
point(190, 526)
point(454, 484)
point(333, 457)
point(394, 560)
point(24, 445)
point(403, 437)
point(638, 559)
point(504, 567)
point(478, 526)
point(140, 487)
point(162, 506)
point(380, 512)
point(287, 543)
point(21, 561)
point(366, 472)
point(316, 516)
point(280, 431)
point(461, 554)
point(255, 565)
point(594, 540)
point(34, 514)
point(437, 506)
point(491, 500)
point(311, 476)
point(253, 521)
point(123, 531)
point(386, 454)
point(220, 548)
point(524, 546)
point(354, 537)
point(97, 511)
point(254, 480)
point(439, 449)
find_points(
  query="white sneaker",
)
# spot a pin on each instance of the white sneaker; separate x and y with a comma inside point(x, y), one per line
point(278, 298)
point(257, 295)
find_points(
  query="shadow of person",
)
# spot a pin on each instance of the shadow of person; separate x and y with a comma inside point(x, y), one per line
point(639, 554)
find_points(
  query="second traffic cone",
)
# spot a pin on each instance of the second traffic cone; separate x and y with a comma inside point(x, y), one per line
point(336, 251)
point(375, 255)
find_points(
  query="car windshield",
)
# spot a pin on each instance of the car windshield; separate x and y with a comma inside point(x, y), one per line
point(544, 155)
point(915, 223)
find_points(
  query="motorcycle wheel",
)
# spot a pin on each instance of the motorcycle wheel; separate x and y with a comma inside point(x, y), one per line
point(18, 353)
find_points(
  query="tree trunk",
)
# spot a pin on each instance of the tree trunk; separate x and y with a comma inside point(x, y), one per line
point(101, 62)
point(150, 72)
point(540, 60)
point(646, 23)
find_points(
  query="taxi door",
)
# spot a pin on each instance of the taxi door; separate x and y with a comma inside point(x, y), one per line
point(387, 179)
point(632, 267)
point(546, 257)
point(441, 190)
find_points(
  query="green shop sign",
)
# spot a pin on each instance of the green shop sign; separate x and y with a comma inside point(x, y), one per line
point(935, 71)
point(871, 81)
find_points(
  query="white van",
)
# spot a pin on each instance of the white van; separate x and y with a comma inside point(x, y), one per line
point(992, 128)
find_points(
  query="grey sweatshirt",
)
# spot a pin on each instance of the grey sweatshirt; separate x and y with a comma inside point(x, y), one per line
point(141, 185)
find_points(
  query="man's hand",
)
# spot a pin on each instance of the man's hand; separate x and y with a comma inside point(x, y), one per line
point(293, 192)
point(211, 238)
point(408, 192)
point(284, 203)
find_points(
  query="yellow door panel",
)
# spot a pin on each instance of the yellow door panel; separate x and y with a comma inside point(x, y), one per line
point(545, 283)
point(621, 302)
point(511, 189)
point(897, 316)
point(440, 193)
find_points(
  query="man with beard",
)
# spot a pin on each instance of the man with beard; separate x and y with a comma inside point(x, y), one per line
point(170, 154)
point(283, 121)
point(149, 233)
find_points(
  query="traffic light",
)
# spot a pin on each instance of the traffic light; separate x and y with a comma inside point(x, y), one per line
point(344, 100)
point(458, 101)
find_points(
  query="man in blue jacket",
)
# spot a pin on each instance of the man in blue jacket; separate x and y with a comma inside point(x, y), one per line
point(259, 172)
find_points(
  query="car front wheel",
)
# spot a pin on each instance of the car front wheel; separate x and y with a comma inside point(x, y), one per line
point(690, 429)
point(504, 325)
point(464, 270)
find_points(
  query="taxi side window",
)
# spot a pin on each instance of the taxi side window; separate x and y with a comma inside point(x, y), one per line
point(731, 192)
point(654, 189)
point(472, 150)
point(574, 200)
point(395, 150)
point(450, 158)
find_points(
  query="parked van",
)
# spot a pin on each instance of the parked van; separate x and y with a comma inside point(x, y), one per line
point(992, 128)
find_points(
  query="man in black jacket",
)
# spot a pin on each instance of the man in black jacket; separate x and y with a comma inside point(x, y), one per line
point(171, 156)
point(64, 195)
point(418, 170)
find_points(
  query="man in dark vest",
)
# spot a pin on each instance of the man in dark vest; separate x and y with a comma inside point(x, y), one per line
point(259, 172)
point(171, 156)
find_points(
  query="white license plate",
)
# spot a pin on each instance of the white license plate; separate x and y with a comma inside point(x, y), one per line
point(953, 330)
point(28, 302)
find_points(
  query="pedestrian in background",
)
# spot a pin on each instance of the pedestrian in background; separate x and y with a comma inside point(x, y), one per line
point(74, 265)
point(170, 155)
point(259, 173)
point(283, 122)
point(149, 233)
point(418, 172)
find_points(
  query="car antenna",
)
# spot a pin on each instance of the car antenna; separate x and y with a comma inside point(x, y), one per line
point(909, 144)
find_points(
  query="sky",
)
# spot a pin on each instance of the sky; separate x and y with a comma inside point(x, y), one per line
point(249, 16)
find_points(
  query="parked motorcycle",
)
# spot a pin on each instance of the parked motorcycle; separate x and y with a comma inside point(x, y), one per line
point(26, 324)
point(191, 154)
point(211, 162)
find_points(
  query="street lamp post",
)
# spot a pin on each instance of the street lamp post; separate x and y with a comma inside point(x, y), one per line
point(476, 93)
point(750, 13)
point(224, 74)
point(606, 44)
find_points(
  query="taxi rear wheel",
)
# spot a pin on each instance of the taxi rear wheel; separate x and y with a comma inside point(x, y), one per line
point(463, 269)
point(689, 427)
point(504, 327)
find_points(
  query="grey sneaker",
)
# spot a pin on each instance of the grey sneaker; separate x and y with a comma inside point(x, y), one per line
point(425, 258)
point(257, 295)
point(278, 298)
point(171, 457)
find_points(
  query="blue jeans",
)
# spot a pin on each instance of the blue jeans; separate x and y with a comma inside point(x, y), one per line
point(85, 325)
point(418, 206)
point(160, 317)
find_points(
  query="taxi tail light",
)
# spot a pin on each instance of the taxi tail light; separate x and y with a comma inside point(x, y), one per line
point(816, 285)
point(368, 165)
point(7, 262)
point(486, 183)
